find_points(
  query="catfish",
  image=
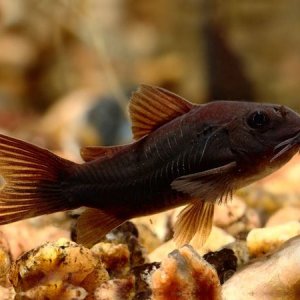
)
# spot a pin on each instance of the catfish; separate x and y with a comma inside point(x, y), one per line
point(183, 154)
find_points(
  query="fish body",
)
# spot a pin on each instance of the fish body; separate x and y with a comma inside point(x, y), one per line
point(141, 174)
point(183, 154)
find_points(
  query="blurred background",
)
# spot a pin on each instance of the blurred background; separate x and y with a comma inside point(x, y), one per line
point(68, 67)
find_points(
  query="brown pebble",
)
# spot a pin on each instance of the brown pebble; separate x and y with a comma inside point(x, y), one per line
point(185, 275)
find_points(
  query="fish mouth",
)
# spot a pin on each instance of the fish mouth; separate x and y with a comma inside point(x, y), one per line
point(286, 145)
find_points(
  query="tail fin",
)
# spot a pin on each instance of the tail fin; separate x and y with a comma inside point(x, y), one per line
point(33, 180)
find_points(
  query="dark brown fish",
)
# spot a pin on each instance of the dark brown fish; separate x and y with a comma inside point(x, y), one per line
point(184, 154)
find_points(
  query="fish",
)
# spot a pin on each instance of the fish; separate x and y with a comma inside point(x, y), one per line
point(182, 154)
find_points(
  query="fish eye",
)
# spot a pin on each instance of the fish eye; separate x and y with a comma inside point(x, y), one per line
point(258, 120)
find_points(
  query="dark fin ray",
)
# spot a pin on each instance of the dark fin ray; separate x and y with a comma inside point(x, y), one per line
point(150, 107)
point(32, 181)
point(202, 184)
point(92, 153)
point(194, 224)
point(93, 224)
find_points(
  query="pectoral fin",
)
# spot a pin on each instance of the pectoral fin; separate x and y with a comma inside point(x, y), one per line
point(211, 183)
point(93, 224)
point(194, 223)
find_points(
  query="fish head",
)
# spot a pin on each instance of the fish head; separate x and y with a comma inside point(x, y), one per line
point(266, 135)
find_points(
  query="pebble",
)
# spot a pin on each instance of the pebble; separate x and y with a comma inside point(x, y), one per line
point(54, 268)
point(240, 249)
point(236, 217)
point(116, 289)
point(115, 257)
point(264, 240)
point(284, 215)
point(218, 238)
point(274, 276)
point(28, 236)
point(227, 214)
point(224, 261)
point(185, 275)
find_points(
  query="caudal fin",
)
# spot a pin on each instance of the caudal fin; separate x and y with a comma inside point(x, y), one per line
point(33, 181)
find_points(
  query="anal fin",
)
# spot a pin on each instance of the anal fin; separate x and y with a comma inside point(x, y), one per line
point(194, 223)
point(93, 224)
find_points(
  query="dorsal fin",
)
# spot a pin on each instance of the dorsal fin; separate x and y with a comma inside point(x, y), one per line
point(150, 107)
point(92, 153)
